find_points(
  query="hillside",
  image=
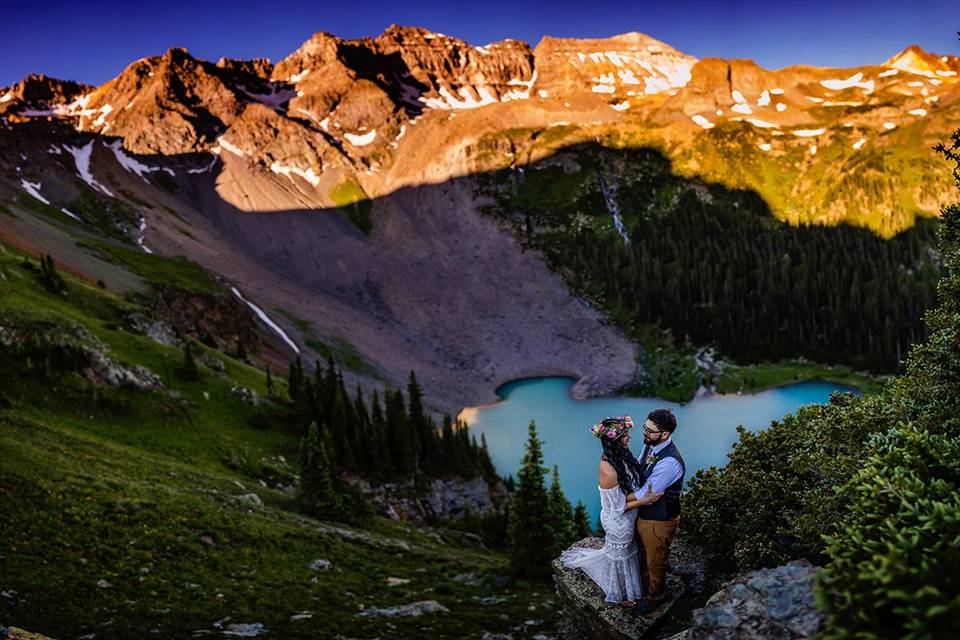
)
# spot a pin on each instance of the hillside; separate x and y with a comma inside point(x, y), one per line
point(139, 501)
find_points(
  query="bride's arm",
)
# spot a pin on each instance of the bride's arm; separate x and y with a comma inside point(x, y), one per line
point(648, 497)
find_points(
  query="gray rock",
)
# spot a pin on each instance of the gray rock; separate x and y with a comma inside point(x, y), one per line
point(396, 582)
point(583, 603)
point(414, 609)
point(245, 630)
point(469, 579)
point(252, 499)
point(246, 395)
point(156, 330)
point(321, 565)
point(768, 603)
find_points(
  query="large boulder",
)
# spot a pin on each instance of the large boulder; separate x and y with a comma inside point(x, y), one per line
point(584, 606)
point(768, 603)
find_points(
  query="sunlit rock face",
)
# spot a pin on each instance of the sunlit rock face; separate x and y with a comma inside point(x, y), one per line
point(624, 67)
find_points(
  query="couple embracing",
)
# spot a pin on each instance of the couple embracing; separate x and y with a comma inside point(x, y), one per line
point(640, 511)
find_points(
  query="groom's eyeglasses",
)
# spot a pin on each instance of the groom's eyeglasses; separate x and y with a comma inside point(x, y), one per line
point(651, 431)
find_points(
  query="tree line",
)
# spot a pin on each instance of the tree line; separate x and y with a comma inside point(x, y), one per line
point(387, 440)
point(713, 265)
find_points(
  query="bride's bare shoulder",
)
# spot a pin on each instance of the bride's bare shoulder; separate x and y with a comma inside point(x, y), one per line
point(607, 475)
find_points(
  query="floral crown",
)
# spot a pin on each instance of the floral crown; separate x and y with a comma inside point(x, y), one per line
point(612, 428)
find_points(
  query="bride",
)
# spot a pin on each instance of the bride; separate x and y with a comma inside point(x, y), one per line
point(614, 567)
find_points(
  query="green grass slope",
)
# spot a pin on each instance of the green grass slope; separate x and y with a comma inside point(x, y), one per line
point(123, 513)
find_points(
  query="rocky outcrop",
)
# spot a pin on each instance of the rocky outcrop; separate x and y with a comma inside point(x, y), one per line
point(583, 603)
point(218, 320)
point(767, 603)
point(37, 92)
point(13, 633)
point(71, 347)
point(444, 499)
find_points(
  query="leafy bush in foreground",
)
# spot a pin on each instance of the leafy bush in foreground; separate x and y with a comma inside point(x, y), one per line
point(894, 563)
point(870, 486)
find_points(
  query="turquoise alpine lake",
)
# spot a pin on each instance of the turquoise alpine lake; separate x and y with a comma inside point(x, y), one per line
point(706, 431)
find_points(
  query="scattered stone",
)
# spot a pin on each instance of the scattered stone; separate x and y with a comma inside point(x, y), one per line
point(490, 600)
point(103, 584)
point(413, 609)
point(376, 542)
point(246, 395)
point(252, 499)
point(303, 615)
point(469, 579)
point(207, 540)
point(496, 636)
point(321, 565)
point(768, 603)
point(395, 582)
point(157, 330)
point(245, 630)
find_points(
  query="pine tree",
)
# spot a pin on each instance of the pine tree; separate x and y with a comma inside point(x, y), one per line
point(531, 545)
point(318, 494)
point(581, 522)
point(424, 433)
point(188, 367)
point(295, 379)
point(559, 516)
point(486, 464)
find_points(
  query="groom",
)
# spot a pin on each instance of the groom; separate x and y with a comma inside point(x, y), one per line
point(663, 469)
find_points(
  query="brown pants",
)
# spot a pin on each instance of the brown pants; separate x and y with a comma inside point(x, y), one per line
point(654, 537)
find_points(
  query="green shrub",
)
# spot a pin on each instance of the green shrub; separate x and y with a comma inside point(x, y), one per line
point(895, 562)
point(774, 500)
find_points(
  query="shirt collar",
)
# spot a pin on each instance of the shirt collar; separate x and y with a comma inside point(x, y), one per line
point(658, 448)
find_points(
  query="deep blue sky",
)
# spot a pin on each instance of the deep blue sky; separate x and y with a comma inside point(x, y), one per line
point(92, 41)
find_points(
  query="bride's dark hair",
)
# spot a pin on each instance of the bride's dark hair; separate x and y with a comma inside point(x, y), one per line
point(626, 465)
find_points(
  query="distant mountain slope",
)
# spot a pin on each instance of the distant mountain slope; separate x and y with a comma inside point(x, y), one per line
point(386, 136)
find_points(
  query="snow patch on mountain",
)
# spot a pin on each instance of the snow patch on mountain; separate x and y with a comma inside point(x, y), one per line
point(856, 80)
point(703, 122)
point(361, 139)
point(132, 164)
point(267, 321)
point(33, 188)
point(81, 157)
point(309, 175)
point(229, 146)
point(809, 133)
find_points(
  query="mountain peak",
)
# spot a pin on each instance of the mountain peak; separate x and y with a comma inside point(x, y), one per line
point(914, 59)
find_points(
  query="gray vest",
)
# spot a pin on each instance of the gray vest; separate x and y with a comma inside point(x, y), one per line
point(668, 506)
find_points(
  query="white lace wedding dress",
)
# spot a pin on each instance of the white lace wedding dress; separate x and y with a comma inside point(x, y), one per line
point(614, 567)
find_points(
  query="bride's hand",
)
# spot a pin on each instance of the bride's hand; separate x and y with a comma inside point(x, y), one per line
point(649, 497)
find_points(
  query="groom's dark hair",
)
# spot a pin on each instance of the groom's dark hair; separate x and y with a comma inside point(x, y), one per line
point(664, 419)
